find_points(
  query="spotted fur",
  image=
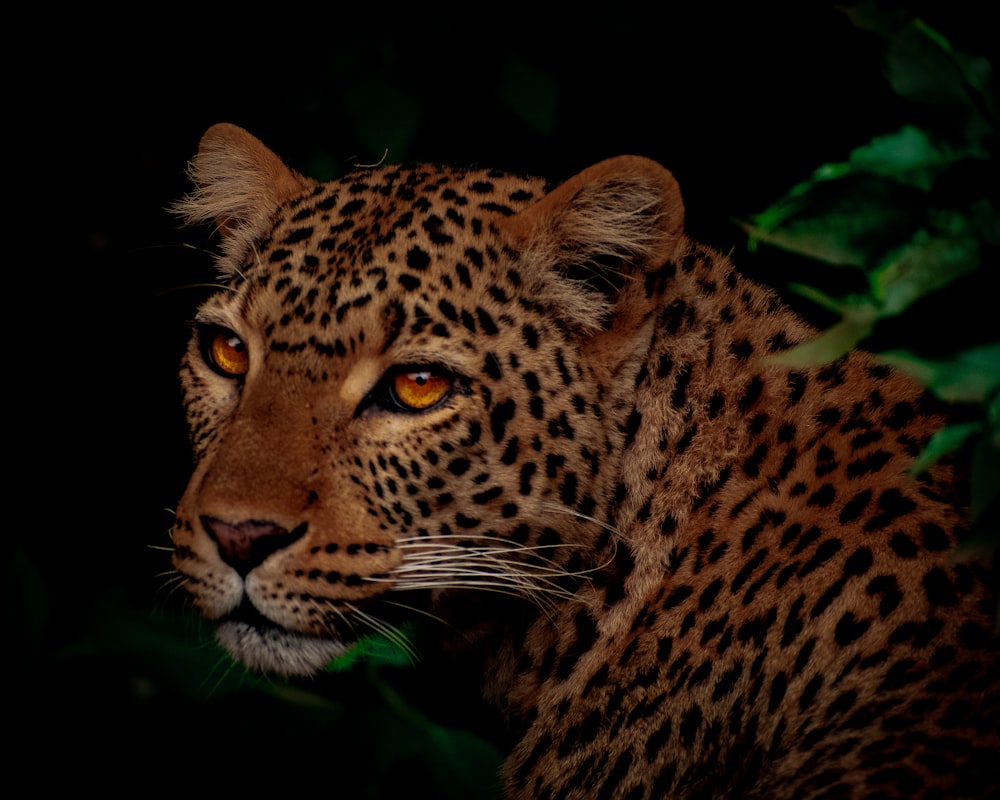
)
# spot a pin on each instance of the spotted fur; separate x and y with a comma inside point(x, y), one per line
point(693, 572)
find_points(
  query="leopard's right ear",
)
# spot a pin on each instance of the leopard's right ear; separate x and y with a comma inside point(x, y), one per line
point(239, 183)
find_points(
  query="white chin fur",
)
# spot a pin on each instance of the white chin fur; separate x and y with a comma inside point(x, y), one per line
point(275, 650)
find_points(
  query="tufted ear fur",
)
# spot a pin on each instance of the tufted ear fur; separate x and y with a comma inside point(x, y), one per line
point(239, 183)
point(596, 238)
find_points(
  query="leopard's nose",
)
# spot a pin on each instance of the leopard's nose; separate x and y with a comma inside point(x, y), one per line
point(244, 545)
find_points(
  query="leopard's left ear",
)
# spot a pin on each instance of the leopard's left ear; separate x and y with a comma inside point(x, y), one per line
point(598, 242)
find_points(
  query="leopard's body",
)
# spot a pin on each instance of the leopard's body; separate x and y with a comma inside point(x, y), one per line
point(550, 417)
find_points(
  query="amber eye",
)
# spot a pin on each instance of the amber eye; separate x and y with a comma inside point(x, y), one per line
point(226, 353)
point(418, 389)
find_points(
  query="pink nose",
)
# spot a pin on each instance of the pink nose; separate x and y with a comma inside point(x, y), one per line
point(245, 545)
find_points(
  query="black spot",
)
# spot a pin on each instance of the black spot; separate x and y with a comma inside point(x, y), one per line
point(797, 383)
point(893, 504)
point(417, 259)
point(751, 467)
point(810, 691)
point(871, 463)
point(685, 441)
point(678, 397)
point(673, 316)
point(709, 595)
point(790, 535)
point(827, 550)
point(793, 623)
point(462, 272)
point(751, 394)
point(888, 587)
point(690, 725)
point(787, 463)
point(700, 675)
point(536, 407)
point(632, 426)
point(298, 235)
point(501, 414)
point(823, 496)
point(939, 589)
point(858, 563)
point(459, 466)
point(804, 656)
point(900, 416)
point(903, 546)
point(854, 507)
point(510, 452)
point(491, 366)
point(850, 629)
point(568, 491)
point(677, 596)
point(468, 321)
point(934, 537)
point(726, 682)
point(811, 535)
point(748, 569)
point(756, 628)
point(786, 432)
point(664, 366)
point(742, 349)
point(715, 404)
point(609, 788)
point(658, 739)
point(779, 341)
point(779, 685)
point(828, 416)
point(486, 322)
point(527, 471)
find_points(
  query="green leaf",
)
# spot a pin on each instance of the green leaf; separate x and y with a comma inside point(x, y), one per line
point(993, 418)
point(971, 376)
point(377, 648)
point(832, 343)
point(985, 478)
point(923, 265)
point(820, 298)
point(851, 221)
point(907, 156)
point(923, 67)
point(946, 440)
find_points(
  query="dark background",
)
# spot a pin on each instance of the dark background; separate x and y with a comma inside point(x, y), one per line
point(104, 672)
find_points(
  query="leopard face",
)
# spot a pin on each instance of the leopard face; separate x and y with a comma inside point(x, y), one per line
point(466, 392)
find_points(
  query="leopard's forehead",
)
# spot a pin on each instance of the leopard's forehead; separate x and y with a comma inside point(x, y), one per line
point(373, 253)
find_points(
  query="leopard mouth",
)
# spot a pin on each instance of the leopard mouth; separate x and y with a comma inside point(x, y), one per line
point(263, 645)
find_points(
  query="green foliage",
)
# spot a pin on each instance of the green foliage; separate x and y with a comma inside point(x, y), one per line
point(388, 649)
point(914, 212)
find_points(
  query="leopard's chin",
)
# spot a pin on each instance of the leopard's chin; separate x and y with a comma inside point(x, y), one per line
point(269, 648)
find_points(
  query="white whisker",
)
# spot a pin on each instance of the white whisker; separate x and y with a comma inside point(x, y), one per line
point(389, 632)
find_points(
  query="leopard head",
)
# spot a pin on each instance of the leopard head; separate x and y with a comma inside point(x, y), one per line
point(412, 383)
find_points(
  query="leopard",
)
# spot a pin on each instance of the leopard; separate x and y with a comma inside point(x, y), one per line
point(540, 415)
